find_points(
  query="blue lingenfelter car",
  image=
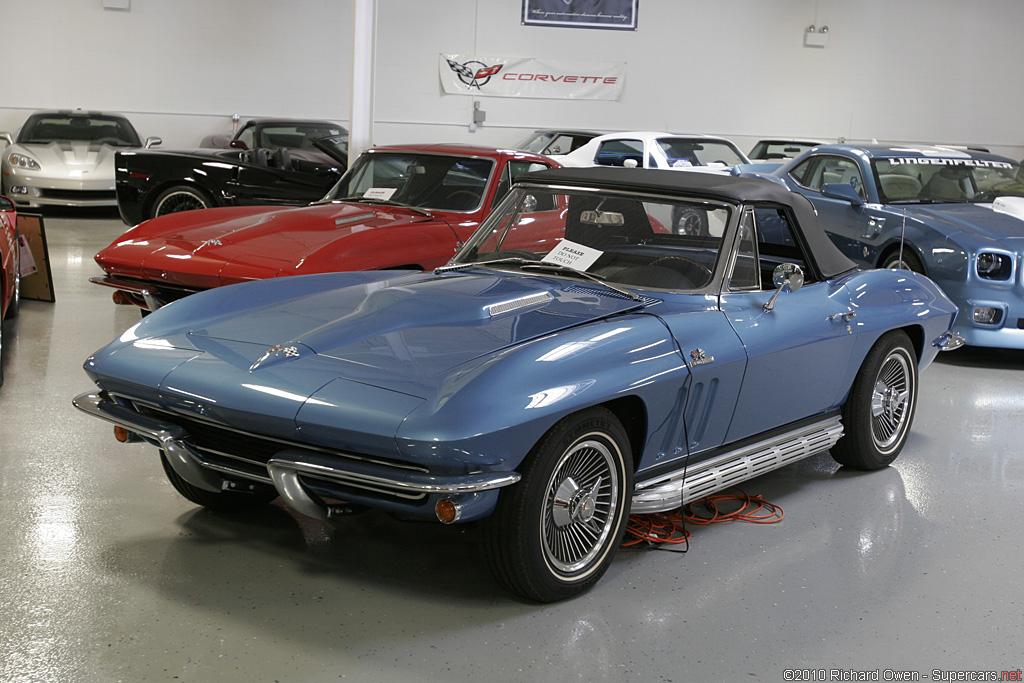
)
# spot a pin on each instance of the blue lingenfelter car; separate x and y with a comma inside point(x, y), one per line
point(960, 212)
point(609, 341)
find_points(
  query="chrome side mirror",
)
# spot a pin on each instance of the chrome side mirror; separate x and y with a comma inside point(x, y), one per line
point(788, 277)
point(152, 141)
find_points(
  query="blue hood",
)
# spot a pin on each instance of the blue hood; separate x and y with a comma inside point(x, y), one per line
point(403, 334)
point(977, 219)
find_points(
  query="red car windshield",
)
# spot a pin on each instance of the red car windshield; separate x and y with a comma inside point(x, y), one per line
point(426, 181)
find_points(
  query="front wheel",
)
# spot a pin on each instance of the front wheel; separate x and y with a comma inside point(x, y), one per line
point(180, 198)
point(880, 408)
point(909, 261)
point(555, 532)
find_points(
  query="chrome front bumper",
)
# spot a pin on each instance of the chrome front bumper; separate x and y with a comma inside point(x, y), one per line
point(145, 296)
point(290, 470)
point(950, 341)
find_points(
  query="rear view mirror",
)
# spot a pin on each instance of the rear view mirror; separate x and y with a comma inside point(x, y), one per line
point(842, 191)
point(788, 277)
point(610, 218)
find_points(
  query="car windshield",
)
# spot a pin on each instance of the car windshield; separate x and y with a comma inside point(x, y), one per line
point(426, 181)
point(780, 149)
point(621, 240)
point(535, 142)
point(334, 145)
point(909, 180)
point(295, 135)
point(42, 129)
point(682, 152)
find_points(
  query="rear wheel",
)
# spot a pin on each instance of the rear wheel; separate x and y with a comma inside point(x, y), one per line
point(181, 198)
point(224, 501)
point(555, 532)
point(880, 408)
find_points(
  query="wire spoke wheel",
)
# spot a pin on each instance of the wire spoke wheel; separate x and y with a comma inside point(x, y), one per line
point(181, 198)
point(880, 407)
point(890, 402)
point(554, 533)
point(581, 506)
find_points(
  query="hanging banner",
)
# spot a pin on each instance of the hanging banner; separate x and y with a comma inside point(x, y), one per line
point(536, 78)
point(612, 14)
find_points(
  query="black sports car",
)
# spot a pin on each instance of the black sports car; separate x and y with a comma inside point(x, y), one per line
point(152, 183)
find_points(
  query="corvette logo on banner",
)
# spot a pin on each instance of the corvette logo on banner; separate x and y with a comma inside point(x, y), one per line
point(536, 78)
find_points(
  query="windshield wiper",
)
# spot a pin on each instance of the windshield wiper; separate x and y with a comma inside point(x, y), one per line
point(529, 264)
point(566, 270)
point(359, 199)
point(463, 266)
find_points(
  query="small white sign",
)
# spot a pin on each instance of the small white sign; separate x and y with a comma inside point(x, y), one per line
point(573, 255)
point(28, 261)
point(380, 193)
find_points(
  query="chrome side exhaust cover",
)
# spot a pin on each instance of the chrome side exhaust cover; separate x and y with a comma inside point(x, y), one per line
point(671, 491)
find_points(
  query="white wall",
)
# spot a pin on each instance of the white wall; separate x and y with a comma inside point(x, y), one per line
point(178, 68)
point(908, 70)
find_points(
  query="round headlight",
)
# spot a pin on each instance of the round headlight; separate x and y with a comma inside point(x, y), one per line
point(994, 266)
point(987, 263)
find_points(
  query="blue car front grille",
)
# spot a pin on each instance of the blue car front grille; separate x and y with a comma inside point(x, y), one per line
point(246, 455)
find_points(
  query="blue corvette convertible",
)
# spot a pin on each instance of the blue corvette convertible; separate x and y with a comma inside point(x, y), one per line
point(610, 341)
point(955, 215)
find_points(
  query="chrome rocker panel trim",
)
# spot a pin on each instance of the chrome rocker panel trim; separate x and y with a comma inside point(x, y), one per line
point(287, 467)
point(671, 491)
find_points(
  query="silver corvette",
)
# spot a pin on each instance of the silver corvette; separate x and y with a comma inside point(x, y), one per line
point(66, 158)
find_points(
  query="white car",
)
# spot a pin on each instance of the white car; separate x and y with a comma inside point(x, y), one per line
point(646, 149)
point(66, 158)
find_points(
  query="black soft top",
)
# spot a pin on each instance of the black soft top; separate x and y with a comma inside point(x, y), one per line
point(711, 186)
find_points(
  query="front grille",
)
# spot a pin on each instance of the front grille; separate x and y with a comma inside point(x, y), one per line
point(246, 455)
point(79, 195)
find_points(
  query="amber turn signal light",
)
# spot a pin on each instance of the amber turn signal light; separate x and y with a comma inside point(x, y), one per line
point(447, 510)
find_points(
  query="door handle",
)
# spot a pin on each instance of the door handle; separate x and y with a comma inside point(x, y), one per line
point(846, 316)
point(873, 227)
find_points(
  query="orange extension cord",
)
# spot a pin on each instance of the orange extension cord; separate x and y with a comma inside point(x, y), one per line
point(670, 527)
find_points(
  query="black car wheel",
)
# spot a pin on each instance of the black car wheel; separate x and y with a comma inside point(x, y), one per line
point(689, 221)
point(555, 532)
point(910, 261)
point(880, 408)
point(181, 198)
point(224, 501)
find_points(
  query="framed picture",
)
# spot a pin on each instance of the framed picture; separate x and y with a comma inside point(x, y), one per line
point(604, 14)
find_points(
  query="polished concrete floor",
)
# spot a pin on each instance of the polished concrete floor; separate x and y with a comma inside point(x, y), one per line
point(109, 575)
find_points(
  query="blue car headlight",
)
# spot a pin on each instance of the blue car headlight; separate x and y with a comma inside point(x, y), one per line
point(994, 266)
point(23, 161)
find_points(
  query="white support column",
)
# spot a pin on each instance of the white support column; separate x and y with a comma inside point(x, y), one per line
point(364, 40)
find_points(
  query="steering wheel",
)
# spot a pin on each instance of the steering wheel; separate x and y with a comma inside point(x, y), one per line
point(697, 273)
point(453, 197)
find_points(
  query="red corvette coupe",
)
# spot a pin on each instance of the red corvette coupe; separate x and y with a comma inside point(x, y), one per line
point(10, 269)
point(398, 207)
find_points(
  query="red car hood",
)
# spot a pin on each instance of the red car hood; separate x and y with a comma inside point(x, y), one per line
point(223, 246)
